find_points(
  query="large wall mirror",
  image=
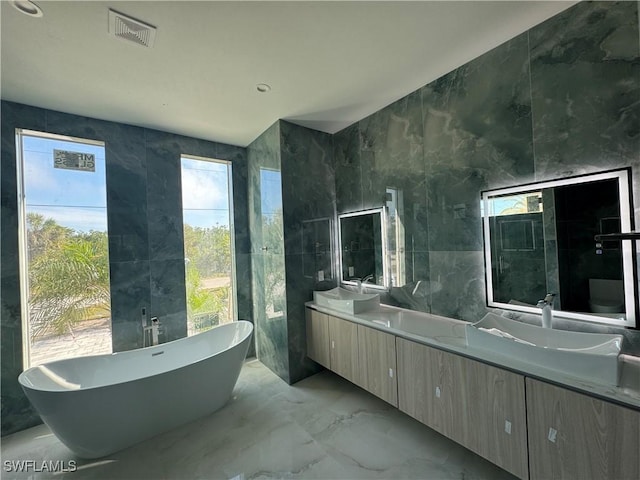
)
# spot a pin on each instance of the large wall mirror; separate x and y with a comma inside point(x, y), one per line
point(539, 239)
point(362, 248)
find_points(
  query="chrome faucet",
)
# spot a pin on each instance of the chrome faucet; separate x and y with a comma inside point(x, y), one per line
point(151, 332)
point(155, 330)
point(546, 304)
point(361, 283)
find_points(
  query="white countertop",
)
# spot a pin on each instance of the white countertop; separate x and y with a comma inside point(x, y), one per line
point(449, 334)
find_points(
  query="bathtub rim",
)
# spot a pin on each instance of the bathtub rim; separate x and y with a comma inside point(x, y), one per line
point(245, 338)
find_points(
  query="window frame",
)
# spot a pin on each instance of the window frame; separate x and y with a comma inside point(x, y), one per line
point(232, 243)
point(23, 257)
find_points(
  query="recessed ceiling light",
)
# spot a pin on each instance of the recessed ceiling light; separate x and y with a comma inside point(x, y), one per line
point(27, 7)
point(263, 87)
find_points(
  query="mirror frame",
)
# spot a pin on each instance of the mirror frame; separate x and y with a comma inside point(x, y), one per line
point(623, 177)
point(383, 228)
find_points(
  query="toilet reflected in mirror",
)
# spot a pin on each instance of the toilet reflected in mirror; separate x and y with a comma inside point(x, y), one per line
point(606, 296)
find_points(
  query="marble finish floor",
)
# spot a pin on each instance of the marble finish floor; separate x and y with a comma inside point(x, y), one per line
point(322, 427)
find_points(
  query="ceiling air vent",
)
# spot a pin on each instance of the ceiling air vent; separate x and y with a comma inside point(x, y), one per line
point(131, 29)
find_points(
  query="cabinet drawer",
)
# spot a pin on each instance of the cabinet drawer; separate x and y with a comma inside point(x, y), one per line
point(377, 361)
point(574, 436)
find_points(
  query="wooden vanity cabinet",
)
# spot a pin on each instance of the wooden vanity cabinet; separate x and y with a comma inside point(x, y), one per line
point(575, 436)
point(539, 432)
point(364, 356)
point(333, 343)
point(377, 361)
point(479, 406)
point(343, 342)
point(430, 387)
point(496, 416)
point(318, 337)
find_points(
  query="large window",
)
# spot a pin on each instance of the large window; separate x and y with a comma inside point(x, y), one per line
point(64, 260)
point(208, 242)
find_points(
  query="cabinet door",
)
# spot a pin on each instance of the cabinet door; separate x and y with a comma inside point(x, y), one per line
point(318, 337)
point(377, 361)
point(344, 348)
point(431, 387)
point(496, 417)
point(572, 435)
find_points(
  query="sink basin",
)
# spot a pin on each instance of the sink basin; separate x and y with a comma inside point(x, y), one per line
point(591, 356)
point(418, 323)
point(347, 301)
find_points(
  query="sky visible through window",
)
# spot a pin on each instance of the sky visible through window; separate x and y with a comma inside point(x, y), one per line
point(207, 243)
point(73, 198)
point(78, 199)
point(205, 197)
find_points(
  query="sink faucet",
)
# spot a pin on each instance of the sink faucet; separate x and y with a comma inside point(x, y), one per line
point(546, 304)
point(361, 283)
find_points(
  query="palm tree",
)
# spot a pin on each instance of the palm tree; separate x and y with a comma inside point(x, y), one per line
point(43, 234)
point(68, 280)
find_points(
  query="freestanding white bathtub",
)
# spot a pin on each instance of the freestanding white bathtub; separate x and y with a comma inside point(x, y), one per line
point(101, 404)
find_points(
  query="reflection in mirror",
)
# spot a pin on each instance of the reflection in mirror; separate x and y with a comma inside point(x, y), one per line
point(395, 236)
point(362, 247)
point(409, 284)
point(317, 256)
point(539, 239)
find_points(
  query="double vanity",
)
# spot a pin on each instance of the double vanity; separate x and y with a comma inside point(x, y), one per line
point(539, 403)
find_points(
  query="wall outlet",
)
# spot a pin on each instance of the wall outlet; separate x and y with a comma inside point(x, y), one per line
point(553, 433)
point(438, 392)
point(507, 426)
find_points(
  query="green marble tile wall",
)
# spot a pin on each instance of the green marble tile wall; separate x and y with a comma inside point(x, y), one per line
point(290, 191)
point(306, 157)
point(561, 99)
point(267, 251)
point(146, 252)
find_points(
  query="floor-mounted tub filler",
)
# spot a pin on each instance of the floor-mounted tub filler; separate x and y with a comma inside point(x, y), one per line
point(101, 404)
